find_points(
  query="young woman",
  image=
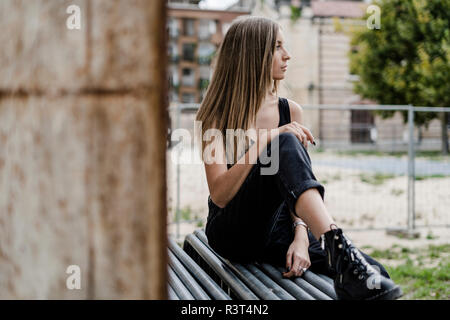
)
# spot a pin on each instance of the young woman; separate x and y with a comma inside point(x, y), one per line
point(281, 217)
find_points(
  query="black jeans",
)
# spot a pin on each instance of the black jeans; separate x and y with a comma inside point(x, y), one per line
point(256, 224)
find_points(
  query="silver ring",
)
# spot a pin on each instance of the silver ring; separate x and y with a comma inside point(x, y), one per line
point(303, 269)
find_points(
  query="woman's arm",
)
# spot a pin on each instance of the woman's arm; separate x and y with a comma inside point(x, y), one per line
point(297, 254)
point(224, 183)
point(297, 115)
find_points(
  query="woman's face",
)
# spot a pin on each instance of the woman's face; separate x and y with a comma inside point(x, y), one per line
point(280, 58)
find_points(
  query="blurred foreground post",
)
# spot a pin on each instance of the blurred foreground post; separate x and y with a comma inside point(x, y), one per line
point(82, 150)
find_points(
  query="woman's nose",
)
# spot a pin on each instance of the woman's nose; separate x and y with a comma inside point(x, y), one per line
point(287, 56)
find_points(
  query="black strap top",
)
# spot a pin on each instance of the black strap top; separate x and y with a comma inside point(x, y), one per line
point(285, 117)
point(285, 114)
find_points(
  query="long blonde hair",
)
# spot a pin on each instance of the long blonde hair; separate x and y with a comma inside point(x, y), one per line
point(241, 78)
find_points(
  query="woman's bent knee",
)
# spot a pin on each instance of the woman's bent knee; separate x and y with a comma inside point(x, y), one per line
point(288, 137)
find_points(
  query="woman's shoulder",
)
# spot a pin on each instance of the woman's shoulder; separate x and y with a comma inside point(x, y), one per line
point(296, 111)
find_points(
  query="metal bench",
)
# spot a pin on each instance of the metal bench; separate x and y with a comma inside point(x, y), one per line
point(197, 272)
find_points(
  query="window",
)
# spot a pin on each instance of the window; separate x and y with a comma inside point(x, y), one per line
point(362, 124)
point(187, 97)
point(188, 27)
point(205, 72)
point(189, 52)
point(205, 52)
point(173, 96)
point(206, 29)
point(173, 51)
point(188, 78)
point(173, 27)
point(173, 75)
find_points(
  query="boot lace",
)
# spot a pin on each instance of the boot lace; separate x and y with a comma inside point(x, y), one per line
point(354, 258)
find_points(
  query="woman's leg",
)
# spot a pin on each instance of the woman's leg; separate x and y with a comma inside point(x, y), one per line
point(304, 196)
point(297, 183)
point(311, 208)
point(241, 228)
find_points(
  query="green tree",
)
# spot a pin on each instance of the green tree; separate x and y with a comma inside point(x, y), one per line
point(407, 60)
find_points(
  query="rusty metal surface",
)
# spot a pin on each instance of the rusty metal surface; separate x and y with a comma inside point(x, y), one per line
point(82, 150)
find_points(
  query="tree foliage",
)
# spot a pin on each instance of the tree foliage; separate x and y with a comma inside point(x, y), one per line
point(407, 60)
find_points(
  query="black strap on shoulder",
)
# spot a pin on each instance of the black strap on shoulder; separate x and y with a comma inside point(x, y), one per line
point(285, 114)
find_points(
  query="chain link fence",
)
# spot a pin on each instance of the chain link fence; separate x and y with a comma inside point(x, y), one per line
point(383, 174)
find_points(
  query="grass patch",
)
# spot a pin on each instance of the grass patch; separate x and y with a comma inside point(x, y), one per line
point(397, 192)
point(422, 283)
point(429, 155)
point(200, 224)
point(319, 150)
point(432, 155)
point(185, 213)
point(354, 153)
point(431, 236)
point(431, 176)
point(376, 179)
point(331, 178)
point(423, 273)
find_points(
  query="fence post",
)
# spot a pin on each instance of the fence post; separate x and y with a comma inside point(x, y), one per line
point(411, 170)
point(410, 231)
point(177, 213)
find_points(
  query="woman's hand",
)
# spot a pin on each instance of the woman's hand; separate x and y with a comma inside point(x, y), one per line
point(301, 132)
point(297, 258)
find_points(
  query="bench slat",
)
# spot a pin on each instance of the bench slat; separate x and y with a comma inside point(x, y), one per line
point(319, 288)
point(262, 285)
point(254, 283)
point(327, 279)
point(255, 280)
point(178, 286)
point(287, 284)
point(171, 293)
point(308, 287)
point(187, 279)
point(321, 282)
point(211, 287)
point(279, 291)
point(225, 273)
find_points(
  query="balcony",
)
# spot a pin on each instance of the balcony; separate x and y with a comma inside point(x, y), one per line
point(204, 60)
point(203, 84)
point(174, 34)
point(174, 58)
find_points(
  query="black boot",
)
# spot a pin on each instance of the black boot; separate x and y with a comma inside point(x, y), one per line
point(355, 278)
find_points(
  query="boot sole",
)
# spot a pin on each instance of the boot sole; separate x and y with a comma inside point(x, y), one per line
point(392, 294)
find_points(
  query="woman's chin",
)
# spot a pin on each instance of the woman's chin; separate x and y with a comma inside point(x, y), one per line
point(278, 77)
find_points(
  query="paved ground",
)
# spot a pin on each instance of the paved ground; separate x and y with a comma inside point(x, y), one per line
point(388, 165)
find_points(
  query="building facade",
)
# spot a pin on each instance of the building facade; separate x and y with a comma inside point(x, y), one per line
point(194, 36)
point(319, 73)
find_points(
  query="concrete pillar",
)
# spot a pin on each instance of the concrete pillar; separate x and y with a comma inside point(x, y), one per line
point(83, 125)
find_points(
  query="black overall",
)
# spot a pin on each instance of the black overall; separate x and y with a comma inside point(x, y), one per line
point(256, 224)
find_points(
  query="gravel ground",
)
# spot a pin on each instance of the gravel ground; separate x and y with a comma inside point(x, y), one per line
point(361, 192)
